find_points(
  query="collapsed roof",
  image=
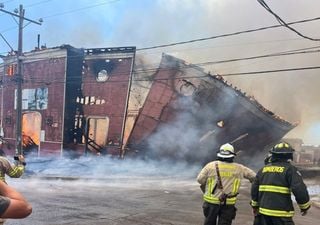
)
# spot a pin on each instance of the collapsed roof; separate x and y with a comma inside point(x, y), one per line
point(188, 114)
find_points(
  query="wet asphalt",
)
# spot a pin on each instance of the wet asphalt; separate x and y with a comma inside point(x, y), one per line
point(107, 192)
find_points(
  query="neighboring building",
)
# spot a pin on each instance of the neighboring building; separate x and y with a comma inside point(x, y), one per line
point(73, 99)
point(296, 143)
point(304, 154)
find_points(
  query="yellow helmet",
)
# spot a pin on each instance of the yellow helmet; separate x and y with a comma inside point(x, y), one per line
point(226, 151)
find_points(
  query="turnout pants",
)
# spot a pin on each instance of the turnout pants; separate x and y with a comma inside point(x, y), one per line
point(272, 220)
point(218, 214)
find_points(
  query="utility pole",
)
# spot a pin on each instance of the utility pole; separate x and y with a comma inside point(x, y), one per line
point(19, 75)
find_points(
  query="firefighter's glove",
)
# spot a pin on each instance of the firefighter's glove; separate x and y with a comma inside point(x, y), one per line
point(203, 188)
point(21, 160)
point(255, 211)
point(304, 212)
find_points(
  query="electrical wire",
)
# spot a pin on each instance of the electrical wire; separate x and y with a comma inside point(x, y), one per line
point(80, 9)
point(62, 13)
point(37, 3)
point(283, 23)
point(270, 71)
point(258, 57)
point(76, 79)
point(155, 69)
point(282, 53)
point(5, 40)
point(194, 40)
point(225, 35)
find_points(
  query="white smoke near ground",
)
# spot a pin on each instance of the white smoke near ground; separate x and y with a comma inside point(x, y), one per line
point(105, 167)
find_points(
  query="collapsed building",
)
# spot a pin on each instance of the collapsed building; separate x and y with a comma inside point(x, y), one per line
point(76, 101)
point(189, 113)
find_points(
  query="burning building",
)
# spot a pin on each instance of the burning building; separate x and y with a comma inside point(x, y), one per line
point(76, 101)
point(189, 113)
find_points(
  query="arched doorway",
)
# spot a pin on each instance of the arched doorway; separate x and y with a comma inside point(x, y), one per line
point(31, 129)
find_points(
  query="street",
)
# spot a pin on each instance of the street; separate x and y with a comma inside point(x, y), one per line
point(134, 193)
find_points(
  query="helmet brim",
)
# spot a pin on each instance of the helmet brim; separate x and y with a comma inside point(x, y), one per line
point(225, 156)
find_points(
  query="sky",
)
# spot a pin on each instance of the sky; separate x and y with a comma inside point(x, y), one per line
point(294, 95)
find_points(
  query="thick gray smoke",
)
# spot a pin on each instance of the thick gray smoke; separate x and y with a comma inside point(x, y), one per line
point(180, 138)
point(191, 136)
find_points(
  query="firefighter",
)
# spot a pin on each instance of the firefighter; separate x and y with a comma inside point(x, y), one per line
point(220, 181)
point(272, 188)
point(14, 170)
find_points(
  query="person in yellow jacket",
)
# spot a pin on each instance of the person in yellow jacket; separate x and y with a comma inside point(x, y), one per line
point(272, 188)
point(14, 170)
point(220, 181)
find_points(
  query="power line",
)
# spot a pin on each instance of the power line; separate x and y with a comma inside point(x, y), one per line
point(285, 53)
point(282, 22)
point(37, 3)
point(270, 71)
point(307, 50)
point(63, 13)
point(80, 9)
point(225, 35)
point(76, 79)
point(259, 57)
point(5, 40)
point(189, 41)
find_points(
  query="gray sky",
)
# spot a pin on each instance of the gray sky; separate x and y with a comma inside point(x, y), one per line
point(143, 23)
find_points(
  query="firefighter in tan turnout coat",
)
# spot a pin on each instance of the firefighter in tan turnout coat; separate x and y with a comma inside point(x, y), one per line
point(220, 181)
point(14, 170)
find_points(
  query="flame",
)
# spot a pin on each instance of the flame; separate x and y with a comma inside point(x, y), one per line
point(30, 123)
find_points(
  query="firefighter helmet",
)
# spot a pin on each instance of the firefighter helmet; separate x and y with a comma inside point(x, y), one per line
point(226, 151)
point(282, 150)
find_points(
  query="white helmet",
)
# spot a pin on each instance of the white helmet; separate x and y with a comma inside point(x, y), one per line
point(226, 151)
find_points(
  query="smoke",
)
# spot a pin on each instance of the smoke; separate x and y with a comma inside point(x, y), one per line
point(107, 168)
point(178, 138)
point(292, 95)
point(201, 118)
point(191, 135)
